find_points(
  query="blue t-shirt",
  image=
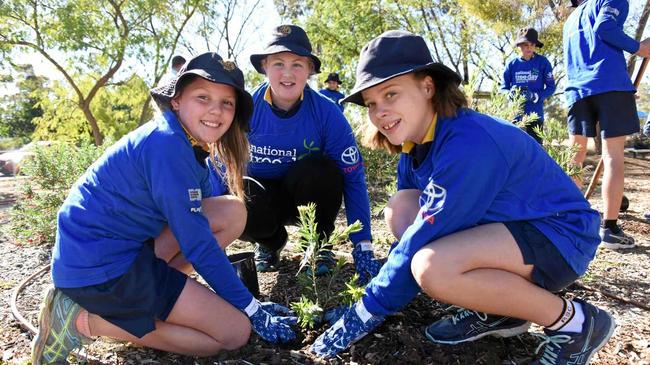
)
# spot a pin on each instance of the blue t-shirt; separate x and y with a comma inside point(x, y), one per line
point(318, 127)
point(594, 42)
point(334, 96)
point(149, 179)
point(534, 75)
point(481, 170)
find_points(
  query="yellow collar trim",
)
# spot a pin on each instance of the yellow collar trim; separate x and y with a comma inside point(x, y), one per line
point(269, 99)
point(431, 133)
point(194, 141)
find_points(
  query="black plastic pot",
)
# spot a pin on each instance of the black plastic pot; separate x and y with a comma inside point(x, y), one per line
point(244, 265)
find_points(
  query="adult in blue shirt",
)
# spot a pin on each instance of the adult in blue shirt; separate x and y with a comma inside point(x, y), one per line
point(133, 226)
point(599, 91)
point(302, 150)
point(331, 90)
point(532, 75)
point(486, 220)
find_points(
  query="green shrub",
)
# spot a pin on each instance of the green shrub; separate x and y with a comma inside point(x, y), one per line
point(52, 171)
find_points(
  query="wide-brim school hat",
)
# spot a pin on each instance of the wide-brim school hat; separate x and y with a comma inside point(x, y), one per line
point(395, 53)
point(528, 35)
point(286, 38)
point(211, 67)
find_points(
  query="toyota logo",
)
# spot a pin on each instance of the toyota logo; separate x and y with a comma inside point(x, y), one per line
point(350, 156)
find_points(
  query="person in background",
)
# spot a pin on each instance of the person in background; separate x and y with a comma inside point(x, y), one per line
point(532, 75)
point(599, 92)
point(496, 245)
point(331, 90)
point(302, 150)
point(137, 222)
point(176, 64)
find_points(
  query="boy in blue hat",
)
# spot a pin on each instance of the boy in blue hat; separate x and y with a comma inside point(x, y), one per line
point(302, 150)
point(486, 220)
point(331, 90)
point(599, 91)
point(133, 225)
point(532, 75)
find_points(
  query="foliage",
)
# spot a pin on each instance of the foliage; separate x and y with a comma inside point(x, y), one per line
point(352, 292)
point(52, 172)
point(553, 134)
point(315, 298)
point(117, 111)
point(18, 110)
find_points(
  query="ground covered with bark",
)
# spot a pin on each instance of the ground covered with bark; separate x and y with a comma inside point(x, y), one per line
point(617, 281)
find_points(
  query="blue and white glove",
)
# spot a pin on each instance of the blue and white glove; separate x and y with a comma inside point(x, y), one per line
point(531, 96)
point(271, 321)
point(365, 263)
point(333, 315)
point(646, 127)
point(353, 326)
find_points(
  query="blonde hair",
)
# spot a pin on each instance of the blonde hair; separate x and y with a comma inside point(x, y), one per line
point(446, 101)
point(231, 149)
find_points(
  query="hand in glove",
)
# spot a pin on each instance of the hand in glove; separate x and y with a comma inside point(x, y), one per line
point(353, 326)
point(365, 263)
point(271, 321)
point(333, 315)
point(531, 96)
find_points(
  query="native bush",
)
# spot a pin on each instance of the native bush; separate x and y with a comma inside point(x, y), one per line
point(51, 172)
point(318, 295)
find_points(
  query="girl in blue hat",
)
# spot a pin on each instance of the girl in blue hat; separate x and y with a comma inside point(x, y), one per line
point(133, 225)
point(486, 220)
point(302, 150)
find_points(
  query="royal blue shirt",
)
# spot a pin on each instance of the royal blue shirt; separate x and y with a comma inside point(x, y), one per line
point(534, 75)
point(482, 170)
point(318, 127)
point(594, 42)
point(335, 96)
point(149, 179)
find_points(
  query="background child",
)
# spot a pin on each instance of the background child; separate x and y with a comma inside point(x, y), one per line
point(135, 218)
point(331, 90)
point(486, 220)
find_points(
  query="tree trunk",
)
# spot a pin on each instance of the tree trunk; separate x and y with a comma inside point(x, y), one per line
point(631, 62)
point(97, 135)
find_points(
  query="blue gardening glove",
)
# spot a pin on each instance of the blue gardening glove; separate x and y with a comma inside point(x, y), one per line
point(646, 127)
point(364, 262)
point(271, 321)
point(353, 326)
point(333, 315)
point(531, 96)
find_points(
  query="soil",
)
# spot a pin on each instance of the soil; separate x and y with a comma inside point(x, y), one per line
point(400, 339)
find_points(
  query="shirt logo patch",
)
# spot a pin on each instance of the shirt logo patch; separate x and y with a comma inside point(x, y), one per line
point(350, 156)
point(432, 201)
point(195, 194)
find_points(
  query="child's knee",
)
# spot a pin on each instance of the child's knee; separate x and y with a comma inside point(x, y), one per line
point(429, 272)
point(238, 335)
point(401, 210)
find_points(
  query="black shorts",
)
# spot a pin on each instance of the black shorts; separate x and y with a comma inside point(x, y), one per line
point(550, 269)
point(134, 301)
point(614, 110)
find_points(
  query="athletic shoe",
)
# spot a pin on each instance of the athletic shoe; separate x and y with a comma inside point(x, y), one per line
point(57, 333)
point(325, 263)
point(467, 325)
point(646, 215)
point(615, 241)
point(576, 348)
point(267, 259)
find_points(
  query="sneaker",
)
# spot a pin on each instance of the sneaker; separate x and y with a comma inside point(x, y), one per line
point(57, 334)
point(267, 259)
point(615, 241)
point(324, 264)
point(646, 215)
point(576, 348)
point(467, 325)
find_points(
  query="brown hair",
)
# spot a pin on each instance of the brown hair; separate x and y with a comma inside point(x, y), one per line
point(231, 149)
point(447, 99)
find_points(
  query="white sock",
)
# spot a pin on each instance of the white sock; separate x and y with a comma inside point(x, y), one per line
point(570, 319)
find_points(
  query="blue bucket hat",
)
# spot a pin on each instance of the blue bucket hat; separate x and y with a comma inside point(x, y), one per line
point(286, 38)
point(395, 53)
point(211, 67)
point(528, 35)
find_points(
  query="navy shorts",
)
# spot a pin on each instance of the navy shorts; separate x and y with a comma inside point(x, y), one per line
point(550, 271)
point(615, 110)
point(134, 301)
